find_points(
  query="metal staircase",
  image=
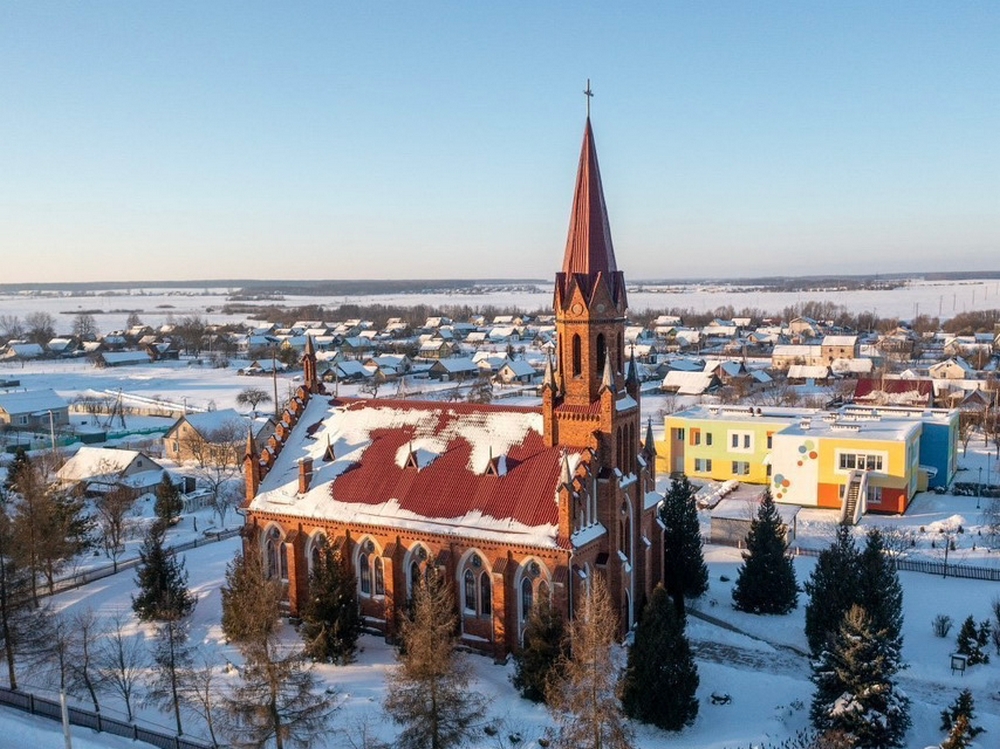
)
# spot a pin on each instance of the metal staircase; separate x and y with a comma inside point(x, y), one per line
point(854, 498)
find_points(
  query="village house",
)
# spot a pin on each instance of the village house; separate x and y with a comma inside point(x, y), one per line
point(33, 409)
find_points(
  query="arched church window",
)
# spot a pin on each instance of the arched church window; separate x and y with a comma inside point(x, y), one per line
point(318, 547)
point(276, 556)
point(577, 356)
point(365, 574)
point(601, 353)
point(379, 577)
point(527, 598)
point(414, 577)
point(470, 592)
point(485, 594)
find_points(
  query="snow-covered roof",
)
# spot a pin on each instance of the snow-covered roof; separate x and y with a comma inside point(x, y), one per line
point(227, 421)
point(31, 401)
point(95, 462)
point(422, 465)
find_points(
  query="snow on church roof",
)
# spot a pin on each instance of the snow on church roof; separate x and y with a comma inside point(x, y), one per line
point(447, 488)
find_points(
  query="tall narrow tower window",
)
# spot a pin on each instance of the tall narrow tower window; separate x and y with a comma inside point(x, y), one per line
point(577, 356)
point(602, 351)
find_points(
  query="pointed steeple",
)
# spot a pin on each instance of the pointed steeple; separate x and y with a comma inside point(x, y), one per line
point(549, 381)
point(588, 247)
point(251, 445)
point(566, 478)
point(608, 380)
point(632, 377)
point(649, 446)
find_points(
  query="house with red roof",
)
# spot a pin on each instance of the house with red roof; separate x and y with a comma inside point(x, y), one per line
point(510, 504)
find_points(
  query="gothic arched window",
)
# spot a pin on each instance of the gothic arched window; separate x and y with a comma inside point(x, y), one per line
point(365, 574)
point(485, 595)
point(527, 598)
point(470, 592)
point(602, 352)
point(577, 356)
point(379, 577)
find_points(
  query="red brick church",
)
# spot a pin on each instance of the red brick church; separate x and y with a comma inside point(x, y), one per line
point(510, 504)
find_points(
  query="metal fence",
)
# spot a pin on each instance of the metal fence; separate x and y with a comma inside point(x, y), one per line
point(930, 567)
point(99, 573)
point(47, 708)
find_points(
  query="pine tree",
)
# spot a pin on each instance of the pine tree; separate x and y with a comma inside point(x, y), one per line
point(168, 503)
point(537, 662)
point(957, 721)
point(855, 688)
point(276, 703)
point(685, 572)
point(428, 694)
point(161, 580)
point(766, 581)
point(972, 641)
point(879, 592)
point(331, 623)
point(661, 678)
point(832, 589)
point(250, 601)
point(586, 701)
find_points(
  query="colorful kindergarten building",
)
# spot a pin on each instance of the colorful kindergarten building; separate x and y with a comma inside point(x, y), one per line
point(853, 460)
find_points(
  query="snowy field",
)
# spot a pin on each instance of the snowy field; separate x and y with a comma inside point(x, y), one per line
point(154, 305)
point(760, 665)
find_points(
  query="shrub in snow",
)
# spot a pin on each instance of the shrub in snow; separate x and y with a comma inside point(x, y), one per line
point(941, 625)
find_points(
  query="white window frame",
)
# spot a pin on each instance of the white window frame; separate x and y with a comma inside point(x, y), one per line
point(744, 441)
point(877, 458)
point(741, 467)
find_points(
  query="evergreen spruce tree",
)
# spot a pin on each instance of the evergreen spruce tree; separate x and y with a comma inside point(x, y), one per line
point(958, 719)
point(855, 688)
point(832, 589)
point(879, 592)
point(685, 572)
point(661, 678)
point(766, 581)
point(331, 623)
point(161, 580)
point(168, 503)
point(537, 662)
point(971, 641)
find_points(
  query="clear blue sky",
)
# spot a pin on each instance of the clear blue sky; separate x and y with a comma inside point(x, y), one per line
point(180, 140)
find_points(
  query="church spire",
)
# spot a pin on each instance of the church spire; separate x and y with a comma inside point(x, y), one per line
point(588, 246)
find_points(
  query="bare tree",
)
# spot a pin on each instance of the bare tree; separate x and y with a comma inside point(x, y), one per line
point(586, 702)
point(199, 693)
point(428, 694)
point(85, 326)
point(40, 327)
point(11, 327)
point(121, 661)
point(113, 510)
point(218, 461)
point(253, 396)
point(172, 656)
point(84, 675)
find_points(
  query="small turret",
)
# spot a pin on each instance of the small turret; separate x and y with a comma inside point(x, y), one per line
point(251, 467)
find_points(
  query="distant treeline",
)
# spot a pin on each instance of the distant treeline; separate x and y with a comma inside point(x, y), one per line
point(326, 287)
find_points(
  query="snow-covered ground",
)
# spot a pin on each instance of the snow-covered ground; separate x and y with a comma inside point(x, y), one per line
point(156, 304)
point(760, 665)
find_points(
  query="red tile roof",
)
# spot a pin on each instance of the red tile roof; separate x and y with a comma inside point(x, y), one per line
point(588, 246)
point(446, 487)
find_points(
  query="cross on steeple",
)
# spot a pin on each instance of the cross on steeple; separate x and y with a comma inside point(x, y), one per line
point(590, 95)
